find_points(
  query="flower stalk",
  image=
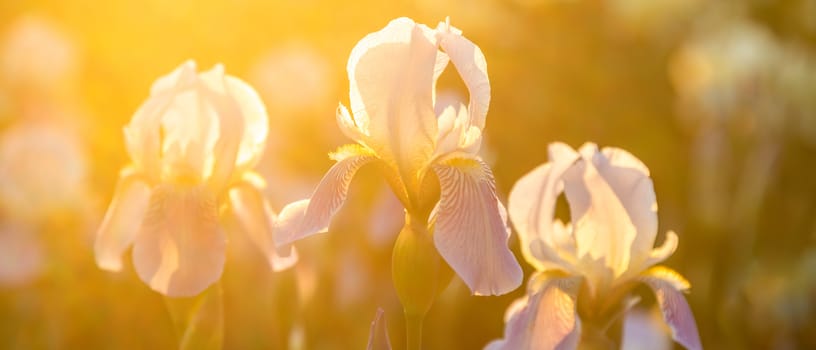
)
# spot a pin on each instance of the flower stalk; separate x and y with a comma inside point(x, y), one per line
point(199, 320)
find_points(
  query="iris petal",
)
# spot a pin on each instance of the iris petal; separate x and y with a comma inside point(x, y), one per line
point(122, 220)
point(675, 308)
point(471, 228)
point(391, 92)
point(180, 249)
point(532, 203)
point(257, 219)
point(548, 320)
point(472, 67)
point(304, 218)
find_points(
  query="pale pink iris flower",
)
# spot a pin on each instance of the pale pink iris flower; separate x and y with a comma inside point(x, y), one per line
point(606, 250)
point(193, 145)
point(396, 122)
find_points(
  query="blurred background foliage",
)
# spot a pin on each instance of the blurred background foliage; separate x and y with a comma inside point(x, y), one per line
point(718, 98)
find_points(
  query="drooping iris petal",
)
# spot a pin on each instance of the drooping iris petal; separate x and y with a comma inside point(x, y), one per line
point(180, 248)
point(378, 335)
point(257, 219)
point(472, 67)
point(602, 228)
point(471, 229)
point(302, 219)
point(532, 203)
point(548, 320)
point(122, 220)
point(668, 286)
point(391, 93)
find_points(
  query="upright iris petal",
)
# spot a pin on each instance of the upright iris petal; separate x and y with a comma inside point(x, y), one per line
point(192, 144)
point(607, 247)
point(392, 81)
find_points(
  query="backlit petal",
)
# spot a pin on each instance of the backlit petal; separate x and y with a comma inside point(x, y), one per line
point(470, 232)
point(548, 320)
point(257, 219)
point(231, 123)
point(347, 126)
point(180, 249)
point(472, 67)
point(391, 93)
point(532, 201)
point(122, 220)
point(629, 179)
point(602, 228)
point(256, 122)
point(183, 75)
point(675, 308)
point(302, 219)
point(655, 256)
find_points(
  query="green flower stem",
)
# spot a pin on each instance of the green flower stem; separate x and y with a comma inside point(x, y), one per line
point(199, 320)
point(413, 331)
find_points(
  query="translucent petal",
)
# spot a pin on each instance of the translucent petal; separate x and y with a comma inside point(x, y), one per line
point(256, 122)
point(257, 219)
point(602, 228)
point(391, 92)
point(548, 320)
point(180, 249)
point(675, 309)
point(472, 67)
point(122, 220)
point(470, 232)
point(532, 201)
point(629, 179)
point(305, 218)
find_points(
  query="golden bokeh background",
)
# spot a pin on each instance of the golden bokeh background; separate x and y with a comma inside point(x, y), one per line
point(717, 98)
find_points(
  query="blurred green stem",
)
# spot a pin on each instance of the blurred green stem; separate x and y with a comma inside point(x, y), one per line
point(413, 331)
point(199, 320)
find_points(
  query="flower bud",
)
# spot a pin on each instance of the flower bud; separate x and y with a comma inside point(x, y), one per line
point(418, 270)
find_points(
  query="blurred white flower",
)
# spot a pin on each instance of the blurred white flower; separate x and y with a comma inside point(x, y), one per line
point(607, 248)
point(42, 168)
point(647, 17)
point(292, 78)
point(42, 174)
point(21, 255)
point(725, 69)
point(193, 145)
point(36, 54)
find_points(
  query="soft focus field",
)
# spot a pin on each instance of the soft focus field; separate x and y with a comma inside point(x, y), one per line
point(717, 98)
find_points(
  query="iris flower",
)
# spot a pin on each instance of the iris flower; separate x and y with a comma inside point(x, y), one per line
point(428, 152)
point(587, 269)
point(192, 145)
